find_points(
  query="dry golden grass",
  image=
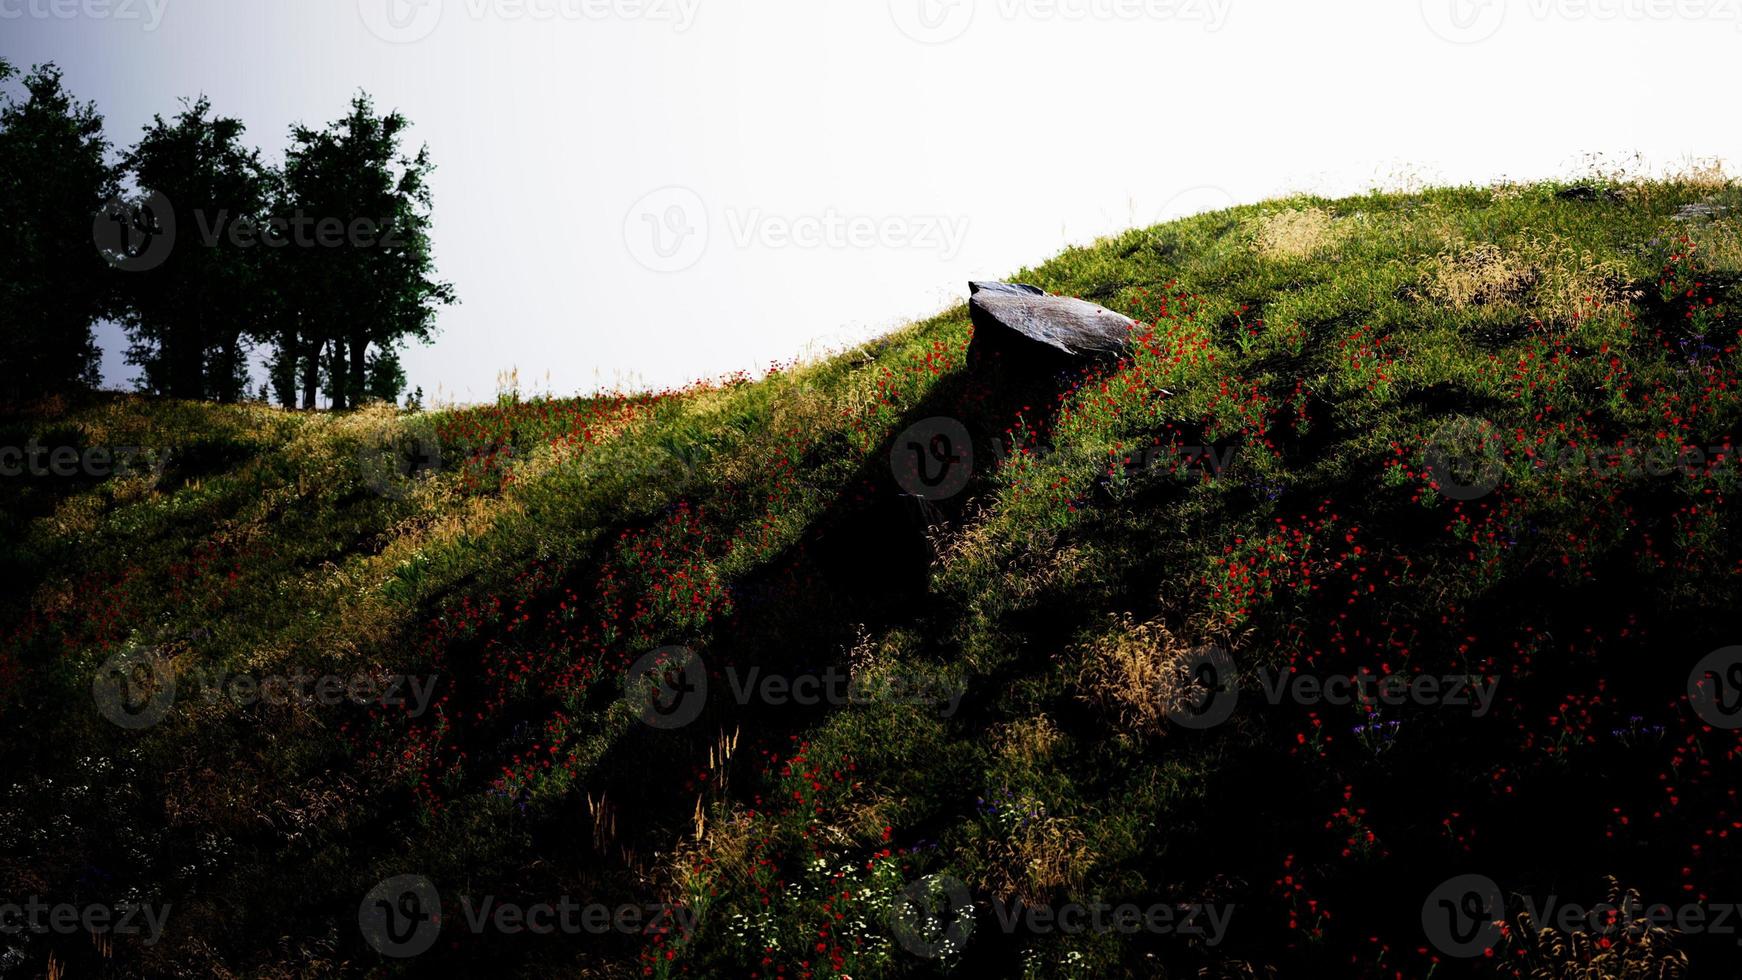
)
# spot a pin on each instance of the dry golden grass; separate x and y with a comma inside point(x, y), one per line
point(1542, 277)
point(1036, 860)
point(1719, 242)
point(1702, 173)
point(1297, 233)
point(1029, 743)
point(1635, 951)
point(1572, 283)
point(1134, 673)
point(1479, 274)
point(1506, 190)
point(722, 853)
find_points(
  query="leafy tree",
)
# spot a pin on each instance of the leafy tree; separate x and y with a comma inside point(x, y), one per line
point(192, 318)
point(351, 308)
point(53, 282)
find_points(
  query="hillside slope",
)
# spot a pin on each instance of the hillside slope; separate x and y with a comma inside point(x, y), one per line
point(1441, 437)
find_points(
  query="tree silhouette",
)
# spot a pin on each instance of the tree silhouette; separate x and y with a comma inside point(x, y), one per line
point(53, 284)
point(351, 308)
point(191, 317)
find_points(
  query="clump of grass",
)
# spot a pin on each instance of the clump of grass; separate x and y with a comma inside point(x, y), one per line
point(1297, 233)
point(1470, 274)
point(1576, 286)
point(1720, 241)
point(1132, 671)
point(1031, 854)
point(1028, 743)
point(1628, 948)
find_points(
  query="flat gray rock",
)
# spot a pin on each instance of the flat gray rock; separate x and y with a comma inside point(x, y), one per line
point(1021, 320)
point(1702, 211)
point(1015, 288)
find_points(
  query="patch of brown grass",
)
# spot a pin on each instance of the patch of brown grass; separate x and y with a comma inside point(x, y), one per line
point(1720, 242)
point(1296, 233)
point(1134, 673)
point(1039, 858)
point(1637, 950)
point(1479, 274)
point(1543, 278)
point(1028, 743)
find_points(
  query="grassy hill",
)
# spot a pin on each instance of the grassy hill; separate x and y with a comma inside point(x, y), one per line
point(1442, 437)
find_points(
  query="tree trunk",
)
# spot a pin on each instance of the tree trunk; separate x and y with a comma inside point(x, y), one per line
point(311, 374)
point(337, 376)
point(359, 367)
point(182, 352)
point(229, 387)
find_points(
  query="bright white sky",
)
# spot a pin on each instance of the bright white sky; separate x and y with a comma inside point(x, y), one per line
point(819, 171)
